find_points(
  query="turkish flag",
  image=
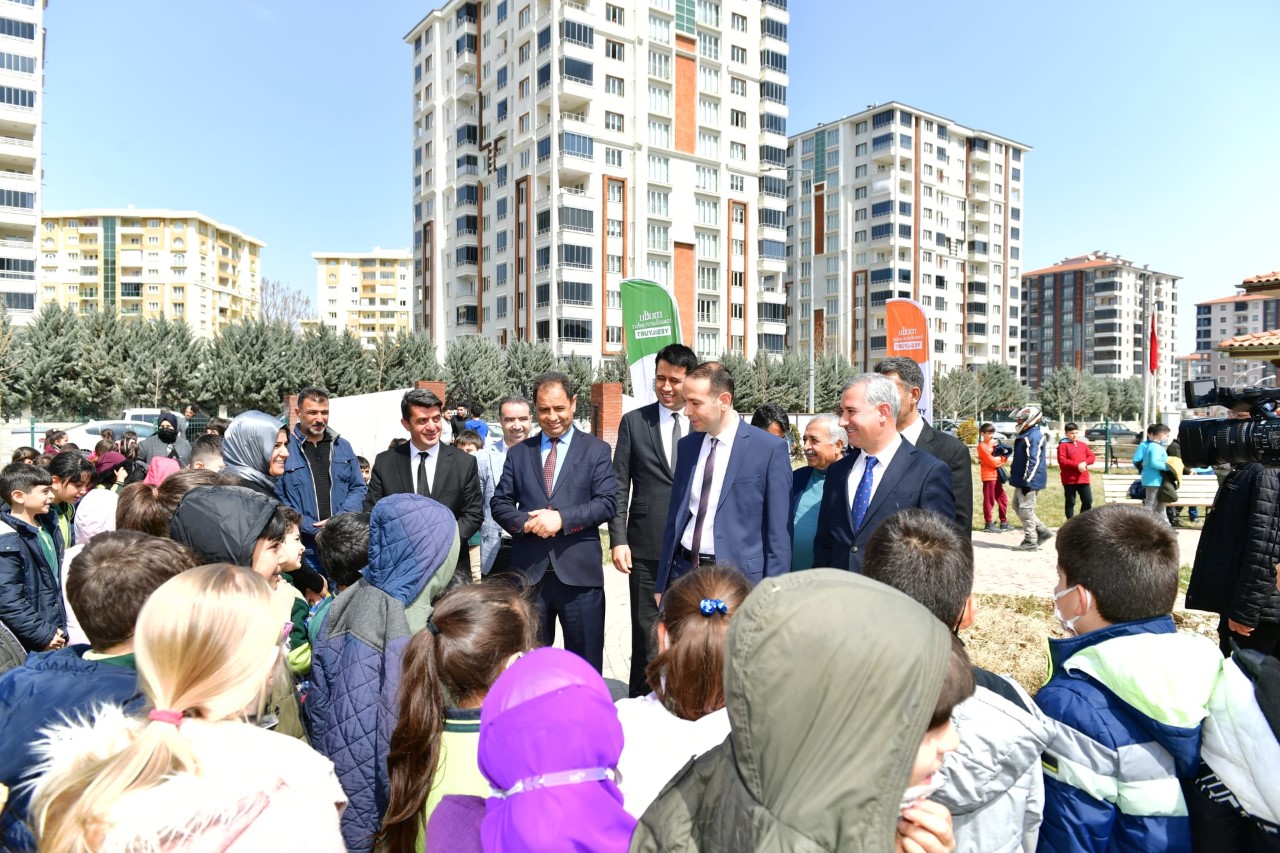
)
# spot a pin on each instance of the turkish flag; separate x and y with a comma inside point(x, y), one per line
point(1154, 348)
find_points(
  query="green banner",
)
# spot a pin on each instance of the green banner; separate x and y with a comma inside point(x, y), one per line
point(650, 321)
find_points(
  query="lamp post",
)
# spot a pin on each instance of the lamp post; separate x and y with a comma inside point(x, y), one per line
point(812, 328)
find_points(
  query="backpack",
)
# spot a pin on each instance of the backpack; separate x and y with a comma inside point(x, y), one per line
point(1137, 491)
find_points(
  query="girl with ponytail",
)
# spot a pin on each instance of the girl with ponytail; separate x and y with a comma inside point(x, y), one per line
point(192, 772)
point(684, 716)
point(473, 635)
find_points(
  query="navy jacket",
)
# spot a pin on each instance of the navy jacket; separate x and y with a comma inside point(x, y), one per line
point(585, 495)
point(753, 516)
point(30, 592)
point(50, 686)
point(914, 478)
point(297, 488)
point(1029, 469)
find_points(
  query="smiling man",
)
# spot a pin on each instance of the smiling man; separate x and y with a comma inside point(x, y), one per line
point(427, 467)
point(824, 443)
point(557, 488)
point(321, 477)
point(515, 416)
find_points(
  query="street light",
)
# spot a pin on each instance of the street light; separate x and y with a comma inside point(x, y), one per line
point(812, 328)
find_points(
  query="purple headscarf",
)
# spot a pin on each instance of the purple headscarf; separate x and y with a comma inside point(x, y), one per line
point(549, 713)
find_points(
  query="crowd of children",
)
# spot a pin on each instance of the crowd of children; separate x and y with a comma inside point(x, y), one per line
point(190, 684)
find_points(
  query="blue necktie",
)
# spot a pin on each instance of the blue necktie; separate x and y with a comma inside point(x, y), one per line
point(862, 497)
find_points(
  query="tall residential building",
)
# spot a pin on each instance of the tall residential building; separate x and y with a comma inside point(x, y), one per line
point(1093, 313)
point(178, 264)
point(1191, 366)
point(898, 202)
point(1229, 317)
point(21, 108)
point(367, 293)
point(560, 148)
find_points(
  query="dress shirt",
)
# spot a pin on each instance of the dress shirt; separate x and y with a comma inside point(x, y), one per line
point(433, 454)
point(561, 450)
point(912, 433)
point(727, 434)
point(664, 428)
point(883, 458)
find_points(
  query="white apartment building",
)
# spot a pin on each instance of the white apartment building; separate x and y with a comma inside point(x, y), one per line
point(897, 202)
point(367, 293)
point(1227, 317)
point(1093, 313)
point(21, 108)
point(151, 263)
point(560, 148)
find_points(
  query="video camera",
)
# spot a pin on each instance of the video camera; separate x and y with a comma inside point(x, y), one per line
point(1215, 441)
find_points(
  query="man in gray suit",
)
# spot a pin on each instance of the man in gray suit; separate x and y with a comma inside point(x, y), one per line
point(643, 463)
point(515, 416)
point(906, 374)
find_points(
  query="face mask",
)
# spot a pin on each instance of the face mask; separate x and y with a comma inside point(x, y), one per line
point(1164, 442)
point(1068, 625)
point(917, 793)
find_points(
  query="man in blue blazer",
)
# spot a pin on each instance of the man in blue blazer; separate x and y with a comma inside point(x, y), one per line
point(557, 488)
point(882, 474)
point(731, 493)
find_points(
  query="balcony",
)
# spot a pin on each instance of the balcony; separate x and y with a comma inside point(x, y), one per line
point(576, 93)
point(573, 168)
point(465, 60)
point(978, 213)
point(465, 89)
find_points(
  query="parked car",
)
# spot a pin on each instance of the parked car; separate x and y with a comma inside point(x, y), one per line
point(87, 435)
point(1098, 432)
point(150, 416)
point(947, 425)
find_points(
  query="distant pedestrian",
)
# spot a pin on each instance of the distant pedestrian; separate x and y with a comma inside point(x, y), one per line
point(218, 426)
point(1074, 459)
point(168, 442)
point(53, 441)
point(773, 419)
point(1029, 476)
point(992, 463)
point(1152, 460)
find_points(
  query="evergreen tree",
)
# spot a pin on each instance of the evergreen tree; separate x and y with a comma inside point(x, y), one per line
point(52, 376)
point(999, 388)
point(525, 361)
point(616, 369)
point(163, 362)
point(475, 372)
point(335, 362)
point(1069, 394)
point(251, 365)
point(583, 374)
point(832, 371)
point(746, 382)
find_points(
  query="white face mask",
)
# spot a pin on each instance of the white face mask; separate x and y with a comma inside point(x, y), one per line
point(1068, 625)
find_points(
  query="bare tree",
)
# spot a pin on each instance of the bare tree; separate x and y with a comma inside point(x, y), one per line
point(283, 305)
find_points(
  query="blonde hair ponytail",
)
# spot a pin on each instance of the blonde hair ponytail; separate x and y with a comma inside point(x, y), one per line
point(206, 643)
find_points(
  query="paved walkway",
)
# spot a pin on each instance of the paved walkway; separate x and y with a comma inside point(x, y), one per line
point(998, 569)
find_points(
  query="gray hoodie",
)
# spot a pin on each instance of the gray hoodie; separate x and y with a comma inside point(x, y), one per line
point(830, 682)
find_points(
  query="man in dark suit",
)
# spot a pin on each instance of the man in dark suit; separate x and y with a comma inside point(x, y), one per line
point(643, 462)
point(906, 374)
point(427, 467)
point(882, 475)
point(557, 488)
point(731, 493)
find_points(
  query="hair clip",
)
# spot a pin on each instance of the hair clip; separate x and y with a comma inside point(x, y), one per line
point(711, 606)
point(431, 626)
point(173, 718)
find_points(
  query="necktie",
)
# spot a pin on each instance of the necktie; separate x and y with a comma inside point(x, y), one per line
point(675, 437)
point(549, 468)
point(704, 498)
point(862, 497)
point(424, 487)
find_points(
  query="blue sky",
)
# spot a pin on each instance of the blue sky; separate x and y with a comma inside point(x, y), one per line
point(1154, 124)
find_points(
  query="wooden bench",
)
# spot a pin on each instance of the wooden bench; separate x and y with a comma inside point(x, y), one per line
point(1196, 489)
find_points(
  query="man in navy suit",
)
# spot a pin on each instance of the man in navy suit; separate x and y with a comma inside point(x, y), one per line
point(881, 475)
point(731, 494)
point(557, 488)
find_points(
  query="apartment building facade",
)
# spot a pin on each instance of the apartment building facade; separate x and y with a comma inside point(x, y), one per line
point(898, 202)
point(367, 293)
point(1093, 313)
point(1231, 316)
point(150, 263)
point(21, 108)
point(560, 148)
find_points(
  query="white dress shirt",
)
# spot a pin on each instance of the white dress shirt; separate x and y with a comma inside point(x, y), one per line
point(912, 433)
point(664, 427)
point(727, 434)
point(433, 454)
point(883, 458)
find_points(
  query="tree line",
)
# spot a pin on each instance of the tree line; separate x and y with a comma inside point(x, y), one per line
point(1066, 395)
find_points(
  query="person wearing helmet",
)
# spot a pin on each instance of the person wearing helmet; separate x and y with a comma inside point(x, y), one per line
point(1027, 475)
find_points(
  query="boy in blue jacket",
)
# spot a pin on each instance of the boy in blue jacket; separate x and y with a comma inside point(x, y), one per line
point(1130, 691)
point(31, 547)
point(1152, 459)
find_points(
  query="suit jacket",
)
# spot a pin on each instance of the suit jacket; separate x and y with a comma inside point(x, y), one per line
point(456, 484)
point(490, 461)
point(914, 478)
point(753, 518)
point(955, 453)
point(644, 474)
point(585, 495)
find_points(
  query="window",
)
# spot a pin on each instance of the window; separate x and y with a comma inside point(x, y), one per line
point(613, 157)
point(737, 182)
point(658, 202)
point(708, 245)
point(615, 264)
point(660, 64)
point(708, 112)
point(614, 50)
point(738, 54)
point(614, 86)
point(709, 79)
point(659, 99)
point(708, 46)
point(659, 30)
point(613, 121)
point(659, 168)
point(575, 292)
point(660, 135)
point(17, 29)
point(737, 151)
point(737, 86)
point(613, 14)
point(739, 22)
point(25, 98)
point(708, 145)
point(615, 227)
point(575, 256)
point(773, 92)
point(708, 311)
point(737, 118)
point(615, 191)
point(659, 237)
point(708, 211)
point(773, 60)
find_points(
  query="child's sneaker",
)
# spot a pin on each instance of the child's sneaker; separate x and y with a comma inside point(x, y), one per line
point(1004, 527)
point(1027, 546)
point(990, 528)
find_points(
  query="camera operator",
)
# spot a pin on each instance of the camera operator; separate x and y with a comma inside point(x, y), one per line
point(1235, 568)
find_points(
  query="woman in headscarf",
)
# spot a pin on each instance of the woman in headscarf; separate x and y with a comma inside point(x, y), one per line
point(255, 448)
point(549, 745)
